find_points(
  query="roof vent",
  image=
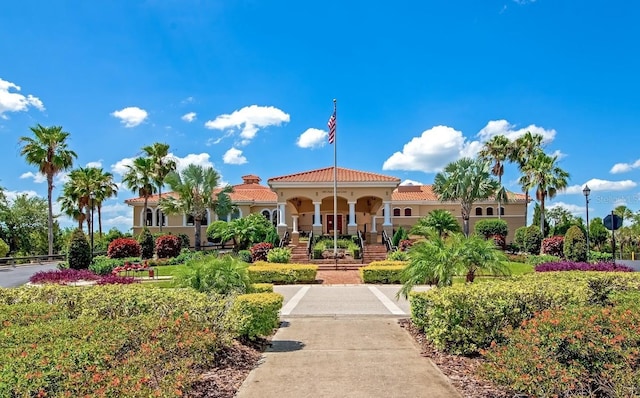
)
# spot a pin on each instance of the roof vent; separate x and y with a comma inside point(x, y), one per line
point(251, 179)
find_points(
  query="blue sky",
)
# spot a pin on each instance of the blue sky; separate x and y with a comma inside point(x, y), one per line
point(247, 86)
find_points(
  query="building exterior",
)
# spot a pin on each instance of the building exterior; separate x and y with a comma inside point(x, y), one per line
point(303, 202)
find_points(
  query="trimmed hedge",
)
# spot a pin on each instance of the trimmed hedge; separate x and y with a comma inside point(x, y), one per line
point(462, 319)
point(263, 272)
point(261, 288)
point(387, 272)
point(258, 313)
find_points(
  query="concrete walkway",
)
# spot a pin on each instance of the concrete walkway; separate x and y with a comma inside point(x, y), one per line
point(344, 341)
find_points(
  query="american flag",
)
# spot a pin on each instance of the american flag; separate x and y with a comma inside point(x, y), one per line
point(332, 127)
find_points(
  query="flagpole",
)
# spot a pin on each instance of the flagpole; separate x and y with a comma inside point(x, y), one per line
point(335, 188)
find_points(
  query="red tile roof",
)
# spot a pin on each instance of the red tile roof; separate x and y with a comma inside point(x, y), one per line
point(425, 192)
point(326, 175)
point(241, 193)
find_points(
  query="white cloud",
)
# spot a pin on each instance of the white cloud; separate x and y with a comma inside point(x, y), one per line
point(189, 117)
point(249, 120)
point(411, 182)
point(131, 116)
point(234, 156)
point(120, 167)
point(96, 164)
point(12, 195)
point(38, 178)
point(559, 154)
point(123, 223)
point(597, 185)
point(523, 2)
point(14, 101)
point(115, 208)
point(624, 167)
point(573, 209)
point(201, 159)
point(503, 127)
point(432, 150)
point(312, 138)
point(188, 100)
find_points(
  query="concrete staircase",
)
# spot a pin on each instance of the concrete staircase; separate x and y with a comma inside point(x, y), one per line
point(372, 252)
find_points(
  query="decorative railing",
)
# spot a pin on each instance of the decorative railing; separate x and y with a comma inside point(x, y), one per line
point(360, 242)
point(309, 245)
point(387, 242)
point(286, 238)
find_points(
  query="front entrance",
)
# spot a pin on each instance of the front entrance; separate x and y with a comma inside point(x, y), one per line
point(330, 224)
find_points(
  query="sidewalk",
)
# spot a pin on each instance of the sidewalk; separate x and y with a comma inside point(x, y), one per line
point(344, 356)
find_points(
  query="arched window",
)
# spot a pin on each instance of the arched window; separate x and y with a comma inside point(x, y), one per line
point(148, 219)
point(478, 211)
point(205, 219)
point(266, 214)
point(160, 218)
point(501, 211)
point(235, 214)
point(189, 220)
point(489, 211)
point(407, 211)
point(396, 212)
point(274, 217)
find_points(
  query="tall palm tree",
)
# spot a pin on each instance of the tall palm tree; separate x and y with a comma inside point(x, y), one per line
point(139, 179)
point(162, 164)
point(466, 180)
point(70, 204)
point(48, 150)
point(82, 182)
point(104, 189)
point(194, 187)
point(543, 173)
point(497, 150)
point(523, 149)
point(624, 213)
point(441, 221)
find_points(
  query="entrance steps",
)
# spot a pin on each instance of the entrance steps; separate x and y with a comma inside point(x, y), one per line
point(372, 252)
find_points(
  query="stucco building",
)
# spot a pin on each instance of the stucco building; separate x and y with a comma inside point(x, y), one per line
point(303, 202)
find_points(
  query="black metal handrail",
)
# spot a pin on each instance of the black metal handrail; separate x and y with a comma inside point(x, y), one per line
point(309, 245)
point(285, 239)
point(360, 242)
point(387, 242)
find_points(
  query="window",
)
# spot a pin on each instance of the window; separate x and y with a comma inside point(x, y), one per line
point(407, 212)
point(489, 211)
point(396, 212)
point(190, 220)
point(235, 214)
point(274, 217)
point(148, 220)
point(205, 219)
point(478, 211)
point(160, 218)
point(266, 214)
point(501, 211)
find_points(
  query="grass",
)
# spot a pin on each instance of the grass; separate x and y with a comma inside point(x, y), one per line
point(515, 268)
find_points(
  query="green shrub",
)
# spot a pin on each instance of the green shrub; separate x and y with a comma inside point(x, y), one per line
point(224, 275)
point(518, 238)
point(541, 259)
point(4, 248)
point(398, 256)
point(491, 227)
point(258, 313)
point(146, 241)
point(317, 252)
point(185, 243)
point(280, 255)
point(262, 272)
point(261, 288)
point(79, 252)
point(575, 246)
point(388, 263)
point(185, 256)
point(245, 255)
point(598, 257)
point(381, 273)
point(584, 351)
point(401, 234)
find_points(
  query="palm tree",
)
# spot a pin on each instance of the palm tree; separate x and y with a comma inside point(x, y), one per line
point(70, 204)
point(624, 213)
point(476, 254)
point(48, 150)
point(497, 150)
point(466, 180)
point(139, 178)
point(439, 220)
point(82, 182)
point(194, 187)
point(162, 164)
point(523, 149)
point(105, 188)
point(543, 173)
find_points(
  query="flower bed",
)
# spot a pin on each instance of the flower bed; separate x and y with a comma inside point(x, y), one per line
point(581, 266)
point(67, 276)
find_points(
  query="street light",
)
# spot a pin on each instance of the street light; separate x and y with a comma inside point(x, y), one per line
point(586, 192)
point(92, 195)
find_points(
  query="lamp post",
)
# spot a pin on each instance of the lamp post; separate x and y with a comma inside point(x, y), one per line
point(92, 196)
point(586, 192)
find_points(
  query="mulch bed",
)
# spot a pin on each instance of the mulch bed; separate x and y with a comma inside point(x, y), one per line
point(460, 370)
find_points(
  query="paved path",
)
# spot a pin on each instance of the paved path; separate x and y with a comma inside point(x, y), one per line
point(344, 341)
point(19, 275)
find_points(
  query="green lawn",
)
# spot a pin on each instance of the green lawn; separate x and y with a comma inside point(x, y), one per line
point(515, 267)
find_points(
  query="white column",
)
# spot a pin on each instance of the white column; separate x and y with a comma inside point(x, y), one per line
point(317, 222)
point(373, 223)
point(295, 223)
point(387, 214)
point(352, 214)
point(281, 207)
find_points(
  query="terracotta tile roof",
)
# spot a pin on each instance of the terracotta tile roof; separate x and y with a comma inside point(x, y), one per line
point(241, 193)
point(425, 192)
point(326, 175)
